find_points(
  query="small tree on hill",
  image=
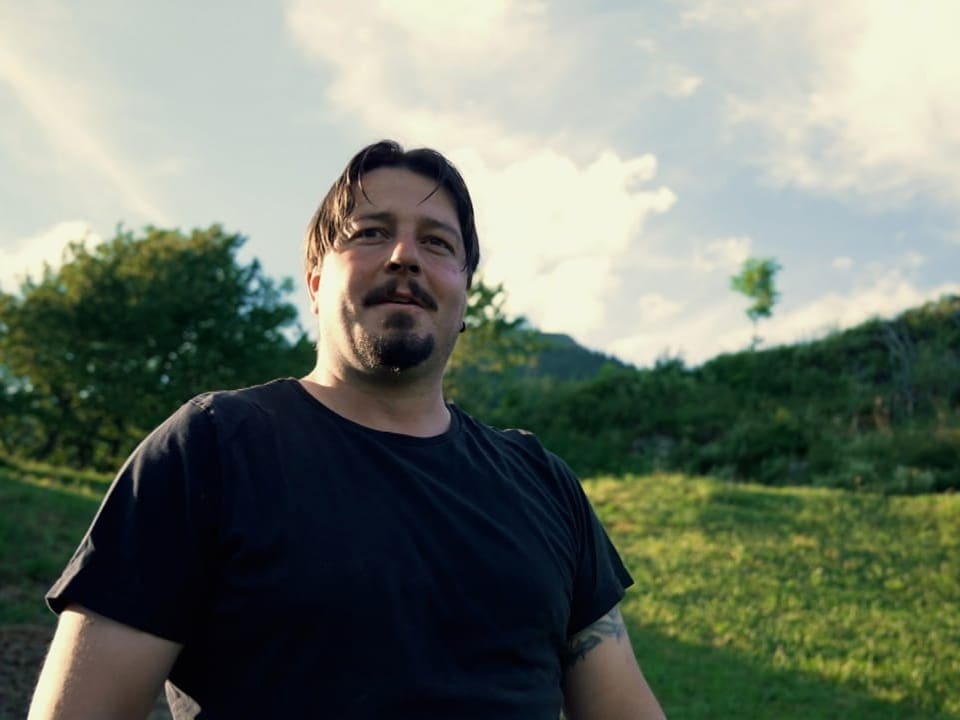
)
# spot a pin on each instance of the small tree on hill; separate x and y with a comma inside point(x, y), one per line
point(756, 281)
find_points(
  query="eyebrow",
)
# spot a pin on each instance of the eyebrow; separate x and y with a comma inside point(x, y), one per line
point(385, 216)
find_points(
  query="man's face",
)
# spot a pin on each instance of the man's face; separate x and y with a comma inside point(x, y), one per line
point(391, 296)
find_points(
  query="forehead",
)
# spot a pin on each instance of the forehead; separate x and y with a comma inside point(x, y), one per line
point(403, 192)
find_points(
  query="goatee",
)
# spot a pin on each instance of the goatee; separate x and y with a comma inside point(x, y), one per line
point(397, 348)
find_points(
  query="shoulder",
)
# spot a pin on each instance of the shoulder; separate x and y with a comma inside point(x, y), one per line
point(517, 439)
point(522, 446)
point(211, 418)
point(266, 397)
point(228, 410)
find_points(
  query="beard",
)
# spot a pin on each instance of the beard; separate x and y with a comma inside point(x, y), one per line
point(397, 348)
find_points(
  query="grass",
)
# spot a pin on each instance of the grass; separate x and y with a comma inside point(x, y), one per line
point(45, 511)
point(750, 602)
point(790, 603)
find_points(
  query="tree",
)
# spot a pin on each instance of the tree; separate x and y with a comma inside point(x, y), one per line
point(490, 353)
point(755, 280)
point(95, 354)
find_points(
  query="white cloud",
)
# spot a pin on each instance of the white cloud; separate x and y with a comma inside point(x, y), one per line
point(841, 263)
point(858, 98)
point(412, 71)
point(554, 231)
point(722, 327)
point(885, 296)
point(913, 259)
point(673, 80)
point(694, 336)
point(553, 226)
point(654, 307)
point(28, 256)
point(723, 254)
point(682, 84)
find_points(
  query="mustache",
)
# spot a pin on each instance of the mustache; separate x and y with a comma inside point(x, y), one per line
point(388, 291)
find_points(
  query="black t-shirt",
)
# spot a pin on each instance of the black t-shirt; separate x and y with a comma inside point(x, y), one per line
point(313, 567)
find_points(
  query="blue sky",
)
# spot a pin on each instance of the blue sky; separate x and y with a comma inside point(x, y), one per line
point(624, 157)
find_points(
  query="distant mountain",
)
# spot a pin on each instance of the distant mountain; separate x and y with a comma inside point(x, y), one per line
point(563, 358)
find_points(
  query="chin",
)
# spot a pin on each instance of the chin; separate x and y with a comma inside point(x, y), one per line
point(398, 351)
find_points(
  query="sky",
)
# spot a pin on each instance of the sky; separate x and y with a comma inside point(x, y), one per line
point(624, 158)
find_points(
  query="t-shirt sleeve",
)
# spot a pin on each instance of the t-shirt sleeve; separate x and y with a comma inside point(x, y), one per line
point(601, 579)
point(143, 561)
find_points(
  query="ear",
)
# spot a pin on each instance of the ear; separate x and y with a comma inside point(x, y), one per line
point(313, 286)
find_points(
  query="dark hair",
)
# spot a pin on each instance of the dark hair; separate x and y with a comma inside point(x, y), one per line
point(327, 222)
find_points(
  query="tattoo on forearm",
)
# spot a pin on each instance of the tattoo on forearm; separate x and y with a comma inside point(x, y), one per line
point(610, 625)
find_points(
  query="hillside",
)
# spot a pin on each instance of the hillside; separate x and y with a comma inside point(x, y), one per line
point(561, 357)
point(876, 406)
point(753, 602)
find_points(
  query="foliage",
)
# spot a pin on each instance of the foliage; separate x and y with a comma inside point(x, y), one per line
point(100, 351)
point(491, 352)
point(755, 280)
point(95, 355)
point(853, 410)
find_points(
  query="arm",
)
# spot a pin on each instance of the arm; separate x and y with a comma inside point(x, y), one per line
point(602, 680)
point(99, 668)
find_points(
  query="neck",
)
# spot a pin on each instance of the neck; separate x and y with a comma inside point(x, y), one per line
point(387, 404)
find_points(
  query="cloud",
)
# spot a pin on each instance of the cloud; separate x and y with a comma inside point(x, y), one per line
point(885, 296)
point(913, 259)
point(554, 231)
point(654, 307)
point(414, 70)
point(693, 336)
point(681, 84)
point(722, 327)
point(858, 99)
point(841, 263)
point(563, 214)
point(28, 256)
point(61, 107)
point(723, 254)
point(674, 80)
point(554, 224)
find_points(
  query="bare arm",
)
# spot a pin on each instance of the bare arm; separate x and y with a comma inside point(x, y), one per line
point(99, 668)
point(602, 680)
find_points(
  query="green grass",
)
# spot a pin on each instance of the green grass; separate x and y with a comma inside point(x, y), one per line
point(750, 602)
point(790, 603)
point(45, 512)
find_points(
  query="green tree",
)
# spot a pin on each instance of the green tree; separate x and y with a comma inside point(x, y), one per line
point(756, 281)
point(491, 353)
point(95, 354)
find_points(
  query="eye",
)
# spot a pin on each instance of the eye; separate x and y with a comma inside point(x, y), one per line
point(373, 232)
point(438, 244)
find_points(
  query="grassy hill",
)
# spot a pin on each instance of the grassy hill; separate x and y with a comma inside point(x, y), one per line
point(789, 603)
point(876, 406)
point(750, 602)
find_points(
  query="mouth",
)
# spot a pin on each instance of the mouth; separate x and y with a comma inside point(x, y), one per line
point(391, 295)
point(408, 300)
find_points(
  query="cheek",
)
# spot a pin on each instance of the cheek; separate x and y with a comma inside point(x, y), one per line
point(454, 282)
point(339, 284)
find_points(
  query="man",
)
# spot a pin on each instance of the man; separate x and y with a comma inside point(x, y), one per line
point(348, 545)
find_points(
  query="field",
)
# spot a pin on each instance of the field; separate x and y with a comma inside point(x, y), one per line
point(750, 602)
point(754, 602)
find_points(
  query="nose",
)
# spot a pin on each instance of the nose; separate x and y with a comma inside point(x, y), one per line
point(404, 256)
